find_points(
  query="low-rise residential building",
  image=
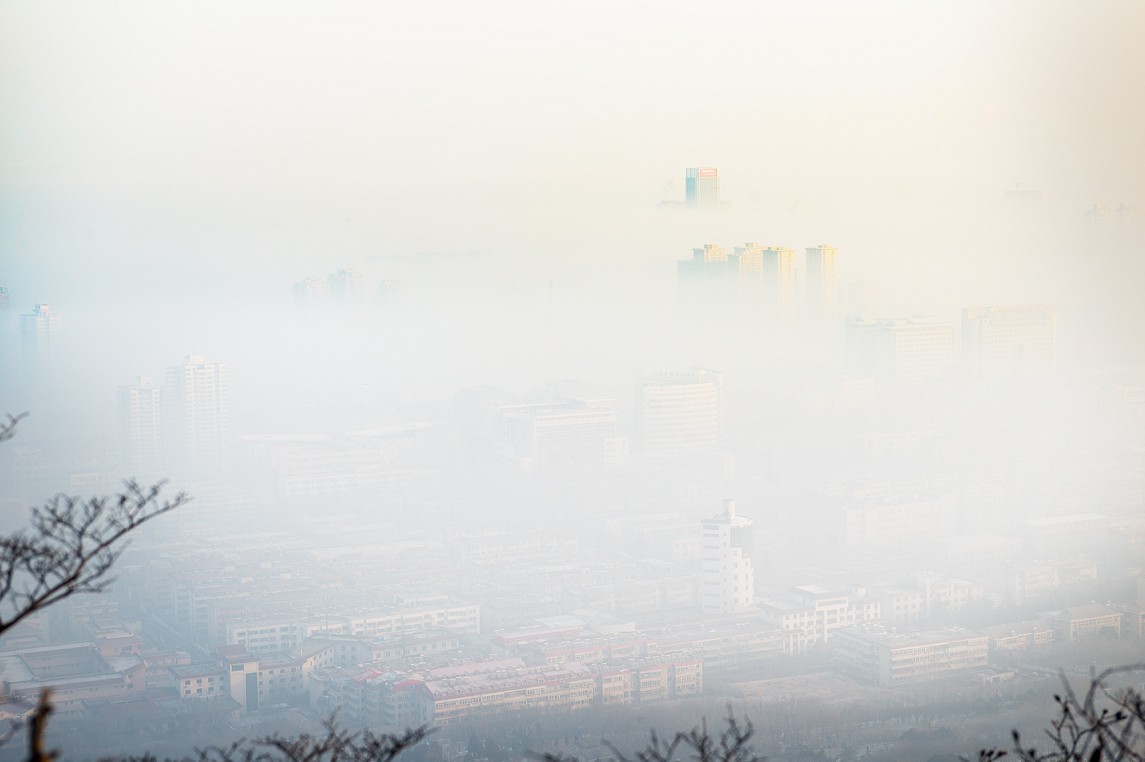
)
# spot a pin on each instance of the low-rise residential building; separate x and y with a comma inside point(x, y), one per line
point(1088, 622)
point(814, 612)
point(75, 673)
point(201, 681)
point(889, 657)
point(1018, 636)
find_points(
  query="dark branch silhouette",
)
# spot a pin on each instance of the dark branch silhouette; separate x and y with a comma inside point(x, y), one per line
point(8, 428)
point(1101, 725)
point(71, 547)
point(732, 745)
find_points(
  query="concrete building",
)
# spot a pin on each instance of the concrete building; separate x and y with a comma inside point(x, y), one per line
point(894, 515)
point(727, 580)
point(905, 349)
point(889, 658)
point(1078, 623)
point(310, 467)
point(39, 335)
point(197, 412)
point(75, 673)
point(823, 282)
point(680, 413)
point(779, 288)
point(1018, 636)
point(811, 614)
point(561, 435)
point(1019, 339)
point(702, 187)
point(141, 428)
point(346, 285)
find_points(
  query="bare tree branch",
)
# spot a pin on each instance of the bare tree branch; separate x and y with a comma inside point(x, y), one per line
point(71, 547)
point(8, 428)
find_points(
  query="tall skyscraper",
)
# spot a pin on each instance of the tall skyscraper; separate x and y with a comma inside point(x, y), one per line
point(346, 285)
point(707, 269)
point(1014, 339)
point(823, 280)
point(39, 332)
point(141, 428)
point(702, 187)
point(680, 412)
point(779, 284)
point(197, 411)
point(727, 579)
point(311, 291)
point(4, 300)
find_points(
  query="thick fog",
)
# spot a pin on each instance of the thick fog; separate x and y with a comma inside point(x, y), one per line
point(573, 322)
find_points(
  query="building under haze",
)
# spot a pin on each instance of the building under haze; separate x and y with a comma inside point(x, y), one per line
point(680, 412)
point(561, 435)
point(311, 291)
point(197, 412)
point(39, 332)
point(1015, 339)
point(702, 187)
point(346, 285)
point(727, 579)
point(823, 282)
point(779, 285)
point(141, 427)
point(903, 349)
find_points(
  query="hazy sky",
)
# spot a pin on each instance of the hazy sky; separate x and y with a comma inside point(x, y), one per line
point(254, 140)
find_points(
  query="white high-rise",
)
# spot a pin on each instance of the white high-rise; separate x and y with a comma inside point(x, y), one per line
point(823, 282)
point(141, 427)
point(198, 407)
point(727, 579)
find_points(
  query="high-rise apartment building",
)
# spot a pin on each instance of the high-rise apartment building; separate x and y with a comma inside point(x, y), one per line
point(197, 411)
point(39, 332)
point(823, 281)
point(680, 412)
point(702, 187)
point(141, 427)
point(779, 283)
point(346, 285)
point(1018, 339)
point(727, 580)
point(708, 266)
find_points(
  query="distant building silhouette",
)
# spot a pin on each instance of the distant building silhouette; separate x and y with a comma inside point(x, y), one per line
point(346, 285)
point(727, 579)
point(39, 332)
point(902, 349)
point(561, 435)
point(779, 285)
point(1012, 339)
point(702, 187)
point(141, 428)
point(823, 281)
point(680, 412)
point(197, 412)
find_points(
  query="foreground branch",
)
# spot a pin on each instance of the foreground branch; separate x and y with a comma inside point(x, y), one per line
point(71, 547)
